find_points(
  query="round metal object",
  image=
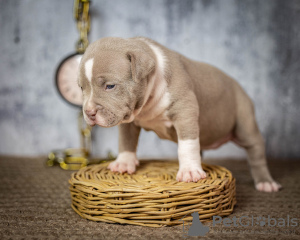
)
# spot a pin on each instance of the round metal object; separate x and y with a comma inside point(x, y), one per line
point(66, 80)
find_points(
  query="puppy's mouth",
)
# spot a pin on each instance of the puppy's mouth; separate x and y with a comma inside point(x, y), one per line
point(128, 117)
point(89, 120)
point(109, 120)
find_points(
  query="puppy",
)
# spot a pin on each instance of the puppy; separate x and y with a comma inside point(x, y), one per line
point(137, 83)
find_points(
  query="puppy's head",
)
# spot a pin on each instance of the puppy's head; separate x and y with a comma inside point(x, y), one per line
point(113, 78)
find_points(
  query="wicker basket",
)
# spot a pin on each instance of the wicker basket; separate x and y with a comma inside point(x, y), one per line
point(152, 196)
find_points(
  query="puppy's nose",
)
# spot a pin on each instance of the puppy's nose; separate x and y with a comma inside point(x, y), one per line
point(90, 113)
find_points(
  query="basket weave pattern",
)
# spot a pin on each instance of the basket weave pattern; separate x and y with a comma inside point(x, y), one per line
point(152, 196)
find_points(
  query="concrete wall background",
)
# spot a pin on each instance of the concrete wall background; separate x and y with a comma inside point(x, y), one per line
point(256, 42)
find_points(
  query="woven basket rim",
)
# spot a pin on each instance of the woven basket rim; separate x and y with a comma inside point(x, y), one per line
point(152, 196)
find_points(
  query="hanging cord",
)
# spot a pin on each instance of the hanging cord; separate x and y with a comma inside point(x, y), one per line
point(85, 135)
point(76, 158)
point(82, 16)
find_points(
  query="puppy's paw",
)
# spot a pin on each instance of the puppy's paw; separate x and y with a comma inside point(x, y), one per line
point(125, 162)
point(268, 186)
point(190, 174)
point(122, 167)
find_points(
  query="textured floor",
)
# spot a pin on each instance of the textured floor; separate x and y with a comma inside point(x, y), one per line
point(35, 204)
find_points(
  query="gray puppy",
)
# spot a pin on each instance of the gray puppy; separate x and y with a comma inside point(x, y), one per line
point(137, 83)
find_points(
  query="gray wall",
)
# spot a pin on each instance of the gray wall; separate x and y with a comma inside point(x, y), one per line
point(256, 42)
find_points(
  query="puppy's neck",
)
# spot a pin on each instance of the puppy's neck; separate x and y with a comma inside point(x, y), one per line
point(156, 98)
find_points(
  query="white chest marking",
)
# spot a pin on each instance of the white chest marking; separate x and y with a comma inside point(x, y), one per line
point(153, 114)
point(157, 97)
point(89, 69)
point(160, 57)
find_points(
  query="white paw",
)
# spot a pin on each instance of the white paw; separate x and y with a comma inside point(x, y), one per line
point(190, 174)
point(268, 186)
point(125, 162)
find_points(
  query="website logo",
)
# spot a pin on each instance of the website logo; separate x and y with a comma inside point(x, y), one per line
point(196, 228)
point(250, 221)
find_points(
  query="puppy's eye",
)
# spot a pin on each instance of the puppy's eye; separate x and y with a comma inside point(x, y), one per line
point(109, 87)
point(81, 89)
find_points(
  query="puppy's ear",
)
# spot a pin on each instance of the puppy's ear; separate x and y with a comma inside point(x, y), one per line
point(142, 64)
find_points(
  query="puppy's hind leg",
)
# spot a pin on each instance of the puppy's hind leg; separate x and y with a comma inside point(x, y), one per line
point(247, 135)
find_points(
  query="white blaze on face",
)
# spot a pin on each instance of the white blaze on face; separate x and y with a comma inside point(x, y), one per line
point(89, 69)
point(89, 104)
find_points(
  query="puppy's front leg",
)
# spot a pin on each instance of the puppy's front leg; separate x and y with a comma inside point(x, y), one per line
point(190, 169)
point(127, 159)
point(187, 129)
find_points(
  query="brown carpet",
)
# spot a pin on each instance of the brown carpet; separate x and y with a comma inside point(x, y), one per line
point(35, 204)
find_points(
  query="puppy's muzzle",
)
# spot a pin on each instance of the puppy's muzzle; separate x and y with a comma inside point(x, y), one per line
point(91, 114)
point(100, 116)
